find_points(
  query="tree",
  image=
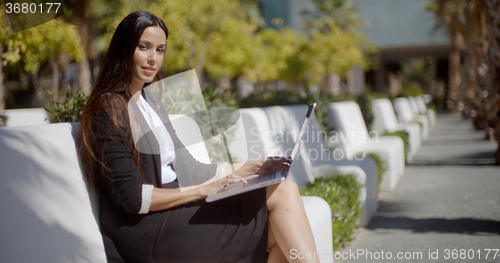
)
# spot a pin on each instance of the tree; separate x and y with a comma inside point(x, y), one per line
point(492, 101)
point(195, 25)
point(81, 18)
point(5, 34)
point(331, 14)
point(450, 13)
point(46, 42)
point(333, 52)
point(332, 21)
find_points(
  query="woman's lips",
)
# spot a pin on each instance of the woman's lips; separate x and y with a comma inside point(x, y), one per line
point(149, 70)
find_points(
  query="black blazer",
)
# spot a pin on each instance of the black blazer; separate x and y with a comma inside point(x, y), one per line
point(127, 235)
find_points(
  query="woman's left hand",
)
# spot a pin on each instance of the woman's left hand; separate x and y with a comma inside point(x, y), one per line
point(274, 164)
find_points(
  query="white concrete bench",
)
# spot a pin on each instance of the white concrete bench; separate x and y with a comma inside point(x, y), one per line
point(25, 117)
point(317, 209)
point(405, 115)
point(46, 210)
point(385, 120)
point(48, 214)
point(321, 161)
point(413, 105)
point(422, 108)
point(273, 131)
point(346, 119)
point(253, 139)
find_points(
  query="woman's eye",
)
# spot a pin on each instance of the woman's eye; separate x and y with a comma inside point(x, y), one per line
point(142, 46)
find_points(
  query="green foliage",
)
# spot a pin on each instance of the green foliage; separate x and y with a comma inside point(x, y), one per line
point(3, 120)
point(293, 97)
point(381, 166)
point(341, 192)
point(411, 89)
point(39, 44)
point(419, 123)
point(404, 136)
point(333, 52)
point(221, 104)
point(219, 97)
point(364, 101)
point(433, 108)
point(66, 106)
point(223, 39)
point(339, 13)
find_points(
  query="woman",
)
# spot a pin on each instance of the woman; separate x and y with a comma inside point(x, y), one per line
point(144, 216)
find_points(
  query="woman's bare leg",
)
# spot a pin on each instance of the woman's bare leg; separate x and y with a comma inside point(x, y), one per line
point(275, 253)
point(289, 228)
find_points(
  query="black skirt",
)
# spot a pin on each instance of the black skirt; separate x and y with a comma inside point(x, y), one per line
point(233, 229)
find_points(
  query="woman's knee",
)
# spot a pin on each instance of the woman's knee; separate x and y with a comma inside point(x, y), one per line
point(286, 191)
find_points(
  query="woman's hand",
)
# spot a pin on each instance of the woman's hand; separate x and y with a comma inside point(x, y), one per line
point(215, 187)
point(274, 164)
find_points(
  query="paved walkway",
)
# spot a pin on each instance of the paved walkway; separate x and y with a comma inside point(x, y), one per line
point(448, 198)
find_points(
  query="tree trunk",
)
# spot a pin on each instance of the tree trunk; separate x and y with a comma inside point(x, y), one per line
point(471, 58)
point(2, 87)
point(493, 57)
point(84, 76)
point(84, 23)
point(331, 84)
point(454, 96)
point(476, 68)
point(55, 76)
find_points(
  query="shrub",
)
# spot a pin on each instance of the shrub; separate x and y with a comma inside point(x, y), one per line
point(411, 89)
point(381, 166)
point(341, 192)
point(67, 106)
point(3, 120)
point(364, 101)
point(293, 97)
point(404, 136)
point(219, 97)
point(432, 107)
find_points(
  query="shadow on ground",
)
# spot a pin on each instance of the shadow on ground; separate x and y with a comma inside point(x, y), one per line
point(467, 226)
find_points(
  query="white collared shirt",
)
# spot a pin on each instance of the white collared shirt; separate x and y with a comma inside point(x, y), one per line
point(167, 154)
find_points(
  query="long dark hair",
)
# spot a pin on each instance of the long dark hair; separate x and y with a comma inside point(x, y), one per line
point(110, 93)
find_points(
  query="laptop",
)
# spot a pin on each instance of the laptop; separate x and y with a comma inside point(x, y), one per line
point(255, 181)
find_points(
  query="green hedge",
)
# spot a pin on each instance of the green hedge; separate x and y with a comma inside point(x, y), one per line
point(341, 192)
point(287, 97)
point(411, 89)
point(67, 106)
point(404, 136)
point(381, 166)
point(3, 120)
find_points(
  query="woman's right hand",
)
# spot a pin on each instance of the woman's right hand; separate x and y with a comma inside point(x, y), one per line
point(213, 188)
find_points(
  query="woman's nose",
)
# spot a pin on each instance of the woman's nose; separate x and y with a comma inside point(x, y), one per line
point(151, 57)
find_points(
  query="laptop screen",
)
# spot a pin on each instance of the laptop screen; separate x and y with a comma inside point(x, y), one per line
point(302, 131)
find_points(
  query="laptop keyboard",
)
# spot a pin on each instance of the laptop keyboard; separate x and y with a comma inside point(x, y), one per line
point(262, 178)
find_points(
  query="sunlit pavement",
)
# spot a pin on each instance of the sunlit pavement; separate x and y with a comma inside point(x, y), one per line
point(445, 208)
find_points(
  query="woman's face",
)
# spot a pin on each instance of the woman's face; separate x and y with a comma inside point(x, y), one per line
point(148, 56)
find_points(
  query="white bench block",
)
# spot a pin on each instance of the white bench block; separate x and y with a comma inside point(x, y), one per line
point(266, 137)
point(385, 120)
point(405, 115)
point(25, 117)
point(423, 110)
point(319, 215)
point(46, 213)
point(347, 120)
